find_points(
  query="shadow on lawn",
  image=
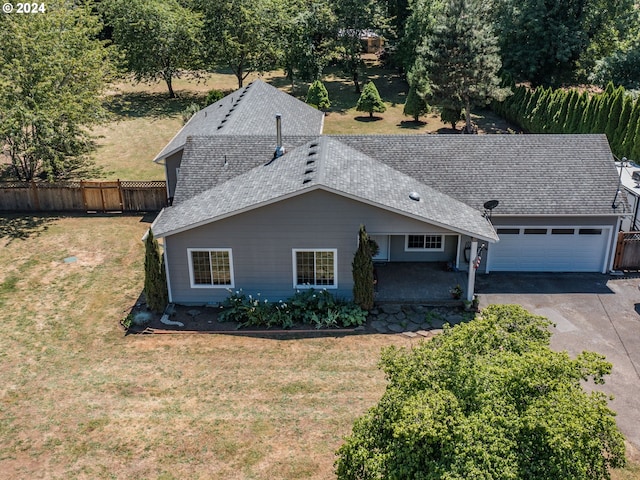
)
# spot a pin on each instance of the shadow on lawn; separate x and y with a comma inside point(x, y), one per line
point(412, 124)
point(22, 227)
point(156, 105)
point(367, 119)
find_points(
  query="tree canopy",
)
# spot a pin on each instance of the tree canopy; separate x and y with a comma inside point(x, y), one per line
point(243, 35)
point(460, 60)
point(488, 399)
point(160, 39)
point(54, 70)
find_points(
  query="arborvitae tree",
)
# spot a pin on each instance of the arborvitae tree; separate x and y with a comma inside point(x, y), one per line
point(362, 268)
point(578, 113)
point(602, 117)
point(370, 100)
point(462, 59)
point(572, 101)
point(591, 120)
point(560, 117)
point(634, 145)
point(623, 124)
point(634, 120)
point(415, 105)
point(614, 114)
point(155, 279)
point(318, 97)
point(528, 117)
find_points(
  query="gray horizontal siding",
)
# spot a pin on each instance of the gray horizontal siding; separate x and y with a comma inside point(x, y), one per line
point(262, 241)
point(171, 164)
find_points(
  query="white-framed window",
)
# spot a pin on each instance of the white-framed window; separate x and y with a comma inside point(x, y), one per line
point(315, 268)
point(424, 243)
point(210, 267)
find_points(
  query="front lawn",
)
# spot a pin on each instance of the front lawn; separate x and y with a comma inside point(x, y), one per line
point(81, 400)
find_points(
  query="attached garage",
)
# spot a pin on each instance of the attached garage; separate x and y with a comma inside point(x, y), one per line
point(550, 249)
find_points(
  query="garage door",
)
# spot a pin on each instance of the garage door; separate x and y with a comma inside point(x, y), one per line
point(549, 249)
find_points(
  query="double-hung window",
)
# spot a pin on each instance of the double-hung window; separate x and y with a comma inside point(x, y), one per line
point(424, 243)
point(315, 268)
point(210, 267)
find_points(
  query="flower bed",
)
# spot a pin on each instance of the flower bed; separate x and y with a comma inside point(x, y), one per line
point(312, 307)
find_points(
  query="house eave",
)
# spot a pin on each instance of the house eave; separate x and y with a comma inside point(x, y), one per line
point(329, 190)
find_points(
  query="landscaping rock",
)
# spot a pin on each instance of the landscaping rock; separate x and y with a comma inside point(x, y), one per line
point(390, 309)
point(424, 333)
point(194, 313)
point(360, 328)
point(382, 317)
point(416, 318)
point(437, 322)
point(379, 326)
point(412, 327)
point(394, 327)
point(455, 319)
point(410, 334)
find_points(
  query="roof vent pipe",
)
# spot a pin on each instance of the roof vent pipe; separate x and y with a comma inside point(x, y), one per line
point(279, 148)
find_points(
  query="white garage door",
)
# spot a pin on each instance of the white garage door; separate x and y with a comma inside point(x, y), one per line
point(549, 249)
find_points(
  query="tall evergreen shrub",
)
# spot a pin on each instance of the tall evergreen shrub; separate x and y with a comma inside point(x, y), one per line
point(155, 279)
point(362, 268)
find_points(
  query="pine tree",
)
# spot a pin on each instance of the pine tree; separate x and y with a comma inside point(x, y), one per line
point(362, 266)
point(318, 97)
point(415, 105)
point(451, 115)
point(155, 279)
point(462, 58)
point(370, 100)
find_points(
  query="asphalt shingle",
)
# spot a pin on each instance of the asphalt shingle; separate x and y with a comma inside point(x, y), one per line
point(250, 110)
point(326, 163)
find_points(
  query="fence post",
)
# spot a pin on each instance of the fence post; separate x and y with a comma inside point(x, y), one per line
point(121, 196)
point(36, 199)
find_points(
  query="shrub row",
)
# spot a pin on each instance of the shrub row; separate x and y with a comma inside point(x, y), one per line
point(312, 307)
point(613, 112)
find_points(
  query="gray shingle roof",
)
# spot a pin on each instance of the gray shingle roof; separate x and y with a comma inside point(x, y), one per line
point(250, 110)
point(528, 174)
point(331, 165)
point(210, 161)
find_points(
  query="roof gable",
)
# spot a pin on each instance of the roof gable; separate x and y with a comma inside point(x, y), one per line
point(249, 111)
point(328, 164)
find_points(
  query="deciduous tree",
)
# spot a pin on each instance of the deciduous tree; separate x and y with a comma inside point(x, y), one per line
point(54, 70)
point(487, 399)
point(243, 35)
point(160, 39)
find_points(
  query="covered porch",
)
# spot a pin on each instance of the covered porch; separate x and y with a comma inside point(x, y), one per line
point(417, 282)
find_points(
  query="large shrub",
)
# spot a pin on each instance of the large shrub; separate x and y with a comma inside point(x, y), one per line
point(487, 400)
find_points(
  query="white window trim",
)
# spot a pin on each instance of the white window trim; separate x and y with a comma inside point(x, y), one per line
point(190, 263)
point(406, 242)
point(335, 267)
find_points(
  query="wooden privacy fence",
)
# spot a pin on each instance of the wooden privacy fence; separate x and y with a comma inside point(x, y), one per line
point(118, 196)
point(627, 251)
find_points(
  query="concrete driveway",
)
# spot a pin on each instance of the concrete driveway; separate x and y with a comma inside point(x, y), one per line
point(593, 312)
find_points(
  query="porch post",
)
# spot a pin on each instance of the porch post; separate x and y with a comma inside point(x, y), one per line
point(471, 285)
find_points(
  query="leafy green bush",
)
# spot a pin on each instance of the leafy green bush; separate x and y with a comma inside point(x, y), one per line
point(313, 307)
point(213, 96)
